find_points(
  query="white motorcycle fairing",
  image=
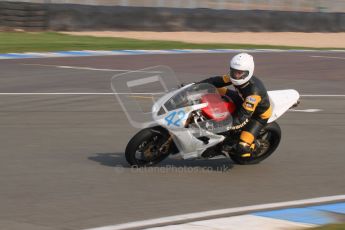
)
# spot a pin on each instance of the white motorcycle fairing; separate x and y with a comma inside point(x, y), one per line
point(168, 114)
point(281, 101)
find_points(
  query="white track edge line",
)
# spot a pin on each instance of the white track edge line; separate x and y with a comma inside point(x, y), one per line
point(329, 57)
point(198, 215)
point(322, 95)
point(88, 68)
point(79, 94)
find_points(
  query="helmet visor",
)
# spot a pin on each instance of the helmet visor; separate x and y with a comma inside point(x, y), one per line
point(238, 74)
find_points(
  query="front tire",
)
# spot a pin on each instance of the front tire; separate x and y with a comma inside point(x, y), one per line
point(268, 140)
point(144, 148)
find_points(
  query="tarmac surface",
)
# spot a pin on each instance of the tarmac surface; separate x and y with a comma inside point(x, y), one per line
point(62, 156)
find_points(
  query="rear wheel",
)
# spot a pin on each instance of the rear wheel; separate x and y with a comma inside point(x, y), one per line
point(148, 147)
point(267, 142)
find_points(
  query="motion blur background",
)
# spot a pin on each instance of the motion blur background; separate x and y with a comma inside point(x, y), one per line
point(62, 161)
point(175, 15)
point(282, 5)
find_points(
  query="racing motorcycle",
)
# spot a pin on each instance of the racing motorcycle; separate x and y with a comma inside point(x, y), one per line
point(195, 121)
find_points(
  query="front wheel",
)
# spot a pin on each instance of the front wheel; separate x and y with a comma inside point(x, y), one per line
point(148, 147)
point(267, 142)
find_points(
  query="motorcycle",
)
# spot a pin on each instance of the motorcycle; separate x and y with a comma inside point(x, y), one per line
point(195, 121)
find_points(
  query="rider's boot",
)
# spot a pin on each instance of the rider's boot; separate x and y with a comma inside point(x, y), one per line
point(246, 145)
point(244, 149)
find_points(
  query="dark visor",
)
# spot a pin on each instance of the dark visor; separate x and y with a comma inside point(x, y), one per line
point(238, 74)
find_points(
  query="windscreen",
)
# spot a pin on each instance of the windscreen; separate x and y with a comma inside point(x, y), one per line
point(189, 96)
point(137, 91)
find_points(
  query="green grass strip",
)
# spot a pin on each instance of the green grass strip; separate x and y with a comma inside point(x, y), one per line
point(330, 227)
point(51, 41)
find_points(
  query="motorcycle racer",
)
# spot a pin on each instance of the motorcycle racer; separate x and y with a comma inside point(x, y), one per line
point(253, 107)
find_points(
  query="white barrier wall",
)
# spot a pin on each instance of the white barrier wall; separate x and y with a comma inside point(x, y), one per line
point(280, 5)
point(76, 17)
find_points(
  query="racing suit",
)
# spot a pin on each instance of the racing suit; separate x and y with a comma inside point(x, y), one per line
point(253, 109)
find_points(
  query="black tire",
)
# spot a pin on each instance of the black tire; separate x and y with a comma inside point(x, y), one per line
point(270, 135)
point(154, 138)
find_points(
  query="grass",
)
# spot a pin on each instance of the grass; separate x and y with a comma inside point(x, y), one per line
point(51, 41)
point(330, 227)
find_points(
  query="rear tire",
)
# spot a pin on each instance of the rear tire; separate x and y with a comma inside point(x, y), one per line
point(143, 149)
point(269, 139)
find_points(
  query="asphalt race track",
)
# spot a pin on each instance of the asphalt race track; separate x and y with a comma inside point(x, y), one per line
point(62, 156)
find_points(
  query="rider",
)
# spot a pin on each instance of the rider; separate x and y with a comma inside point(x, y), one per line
point(251, 99)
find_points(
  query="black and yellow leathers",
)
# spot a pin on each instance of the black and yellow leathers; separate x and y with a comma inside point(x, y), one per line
point(253, 109)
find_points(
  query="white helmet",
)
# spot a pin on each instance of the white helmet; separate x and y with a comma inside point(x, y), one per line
point(241, 68)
